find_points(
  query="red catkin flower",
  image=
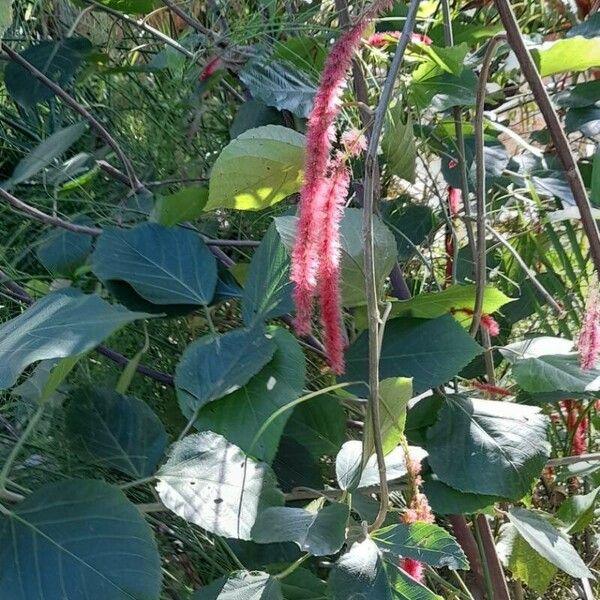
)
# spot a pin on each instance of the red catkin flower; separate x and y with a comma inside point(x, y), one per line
point(576, 428)
point(487, 321)
point(494, 390)
point(211, 67)
point(454, 198)
point(588, 343)
point(315, 270)
point(383, 38)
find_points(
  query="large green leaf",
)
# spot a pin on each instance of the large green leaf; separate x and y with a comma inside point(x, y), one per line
point(63, 323)
point(434, 88)
point(488, 447)
point(212, 483)
point(116, 431)
point(257, 169)
point(581, 95)
point(352, 253)
point(62, 252)
point(548, 541)
point(524, 563)
point(577, 512)
point(425, 542)
point(280, 84)
point(303, 584)
point(165, 266)
point(431, 351)
point(240, 415)
point(319, 533)
point(411, 224)
point(242, 586)
point(59, 61)
point(77, 539)
point(571, 54)
point(44, 153)
point(186, 204)
point(213, 367)
point(360, 574)
point(549, 373)
point(398, 144)
point(253, 114)
point(267, 290)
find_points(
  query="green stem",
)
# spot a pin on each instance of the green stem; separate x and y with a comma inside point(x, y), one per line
point(292, 567)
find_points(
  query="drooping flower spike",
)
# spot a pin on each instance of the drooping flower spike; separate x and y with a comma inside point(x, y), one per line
point(588, 343)
point(315, 256)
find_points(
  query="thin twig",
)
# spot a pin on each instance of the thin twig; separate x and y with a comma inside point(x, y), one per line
point(480, 191)
point(559, 138)
point(78, 108)
point(191, 21)
point(375, 328)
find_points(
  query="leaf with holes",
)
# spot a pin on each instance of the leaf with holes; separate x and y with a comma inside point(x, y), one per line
point(488, 447)
point(425, 542)
point(165, 266)
point(63, 323)
point(257, 169)
point(212, 483)
point(116, 431)
point(77, 539)
point(240, 415)
point(213, 367)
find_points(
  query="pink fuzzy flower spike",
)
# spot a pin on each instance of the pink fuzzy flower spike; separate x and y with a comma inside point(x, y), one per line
point(588, 343)
point(354, 142)
point(413, 567)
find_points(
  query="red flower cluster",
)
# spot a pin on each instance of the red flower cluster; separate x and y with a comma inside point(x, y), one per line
point(383, 38)
point(487, 321)
point(588, 343)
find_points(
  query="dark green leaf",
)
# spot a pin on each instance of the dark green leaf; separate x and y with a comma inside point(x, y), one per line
point(240, 415)
point(116, 431)
point(279, 84)
point(411, 226)
point(62, 252)
point(580, 95)
point(78, 539)
point(435, 89)
point(578, 511)
point(550, 543)
point(253, 114)
point(586, 120)
point(318, 533)
point(431, 351)
point(212, 367)
point(590, 28)
point(63, 323)
point(267, 290)
point(164, 266)
point(303, 585)
point(488, 447)
point(360, 574)
point(295, 466)
point(59, 61)
point(398, 144)
point(242, 586)
point(212, 483)
point(425, 542)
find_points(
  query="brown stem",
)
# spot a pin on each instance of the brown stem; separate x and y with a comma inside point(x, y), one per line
point(498, 580)
point(191, 21)
point(467, 542)
point(78, 108)
point(561, 143)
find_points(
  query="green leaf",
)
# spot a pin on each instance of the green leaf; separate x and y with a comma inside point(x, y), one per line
point(280, 84)
point(62, 252)
point(319, 533)
point(352, 253)
point(488, 447)
point(303, 585)
point(581, 95)
point(349, 459)
point(550, 543)
point(254, 114)
point(240, 415)
point(405, 587)
point(450, 59)
point(242, 586)
point(438, 90)
point(411, 225)
point(586, 120)
point(319, 425)
point(425, 542)
point(549, 373)
point(590, 28)
point(115, 431)
point(213, 367)
point(59, 61)
point(360, 574)
point(187, 204)
point(257, 169)
point(524, 563)
point(578, 511)
point(398, 144)
point(130, 7)
point(44, 153)
point(268, 290)
point(164, 266)
point(567, 55)
point(63, 323)
point(77, 539)
point(431, 351)
point(212, 483)
point(6, 16)
point(445, 500)
point(394, 394)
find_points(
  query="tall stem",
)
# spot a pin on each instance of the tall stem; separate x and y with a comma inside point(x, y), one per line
point(375, 324)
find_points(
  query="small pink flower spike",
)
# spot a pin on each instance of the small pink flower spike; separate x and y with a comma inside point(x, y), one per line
point(354, 142)
point(588, 343)
point(454, 199)
point(413, 567)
